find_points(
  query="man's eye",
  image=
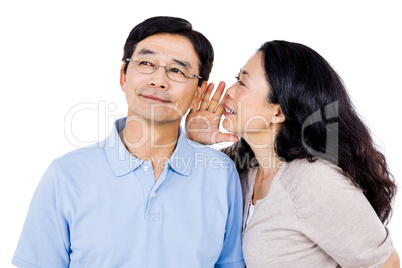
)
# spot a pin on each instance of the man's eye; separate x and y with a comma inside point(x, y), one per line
point(145, 63)
point(176, 71)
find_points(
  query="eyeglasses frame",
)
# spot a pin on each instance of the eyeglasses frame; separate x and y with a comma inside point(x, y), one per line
point(166, 70)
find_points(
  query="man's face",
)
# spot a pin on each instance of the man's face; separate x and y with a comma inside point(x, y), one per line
point(155, 97)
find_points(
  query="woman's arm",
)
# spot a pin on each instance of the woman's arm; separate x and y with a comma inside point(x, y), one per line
point(337, 216)
point(393, 260)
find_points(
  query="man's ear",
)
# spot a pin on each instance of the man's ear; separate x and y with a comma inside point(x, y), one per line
point(198, 95)
point(122, 77)
point(279, 117)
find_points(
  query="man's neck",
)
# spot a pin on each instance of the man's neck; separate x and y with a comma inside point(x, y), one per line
point(150, 141)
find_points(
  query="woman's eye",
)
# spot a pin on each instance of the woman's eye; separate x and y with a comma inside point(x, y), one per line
point(238, 80)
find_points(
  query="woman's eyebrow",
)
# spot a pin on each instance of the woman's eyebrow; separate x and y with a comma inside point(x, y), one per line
point(243, 72)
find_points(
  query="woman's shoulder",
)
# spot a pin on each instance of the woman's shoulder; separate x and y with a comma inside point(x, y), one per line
point(313, 169)
point(316, 176)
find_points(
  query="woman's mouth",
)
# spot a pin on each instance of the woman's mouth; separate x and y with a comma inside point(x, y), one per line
point(229, 111)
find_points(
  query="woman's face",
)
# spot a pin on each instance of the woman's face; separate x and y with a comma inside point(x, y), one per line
point(247, 110)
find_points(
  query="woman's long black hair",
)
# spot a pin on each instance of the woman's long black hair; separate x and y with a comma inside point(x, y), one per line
point(320, 122)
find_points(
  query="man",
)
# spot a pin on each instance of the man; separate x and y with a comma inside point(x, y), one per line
point(146, 196)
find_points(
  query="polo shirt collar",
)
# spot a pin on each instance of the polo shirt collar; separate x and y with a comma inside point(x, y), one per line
point(122, 162)
point(120, 159)
point(181, 160)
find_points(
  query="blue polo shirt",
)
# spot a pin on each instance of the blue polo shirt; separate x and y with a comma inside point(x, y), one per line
point(101, 207)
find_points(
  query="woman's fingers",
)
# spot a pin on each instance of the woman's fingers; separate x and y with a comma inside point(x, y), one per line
point(220, 109)
point(208, 103)
point(205, 98)
point(216, 97)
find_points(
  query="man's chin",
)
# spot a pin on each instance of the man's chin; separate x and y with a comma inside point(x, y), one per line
point(159, 118)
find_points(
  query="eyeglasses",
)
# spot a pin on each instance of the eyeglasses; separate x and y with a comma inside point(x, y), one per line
point(176, 72)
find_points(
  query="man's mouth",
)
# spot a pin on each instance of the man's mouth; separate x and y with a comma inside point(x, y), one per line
point(154, 98)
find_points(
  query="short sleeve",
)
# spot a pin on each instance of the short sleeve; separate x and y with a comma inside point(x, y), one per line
point(44, 238)
point(232, 255)
point(337, 216)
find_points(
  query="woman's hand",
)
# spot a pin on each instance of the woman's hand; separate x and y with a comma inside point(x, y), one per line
point(393, 260)
point(202, 125)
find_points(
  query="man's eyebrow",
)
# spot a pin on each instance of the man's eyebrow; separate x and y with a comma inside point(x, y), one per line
point(145, 51)
point(184, 63)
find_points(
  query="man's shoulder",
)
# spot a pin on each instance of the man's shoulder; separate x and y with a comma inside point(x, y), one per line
point(210, 159)
point(207, 150)
point(88, 153)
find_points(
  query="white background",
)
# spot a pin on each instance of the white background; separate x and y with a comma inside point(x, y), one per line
point(55, 55)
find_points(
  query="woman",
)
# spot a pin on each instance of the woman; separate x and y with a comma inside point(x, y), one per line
point(316, 190)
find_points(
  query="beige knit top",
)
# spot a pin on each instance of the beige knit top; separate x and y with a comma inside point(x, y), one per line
point(313, 216)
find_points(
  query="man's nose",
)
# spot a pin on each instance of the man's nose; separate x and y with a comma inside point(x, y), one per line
point(159, 78)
